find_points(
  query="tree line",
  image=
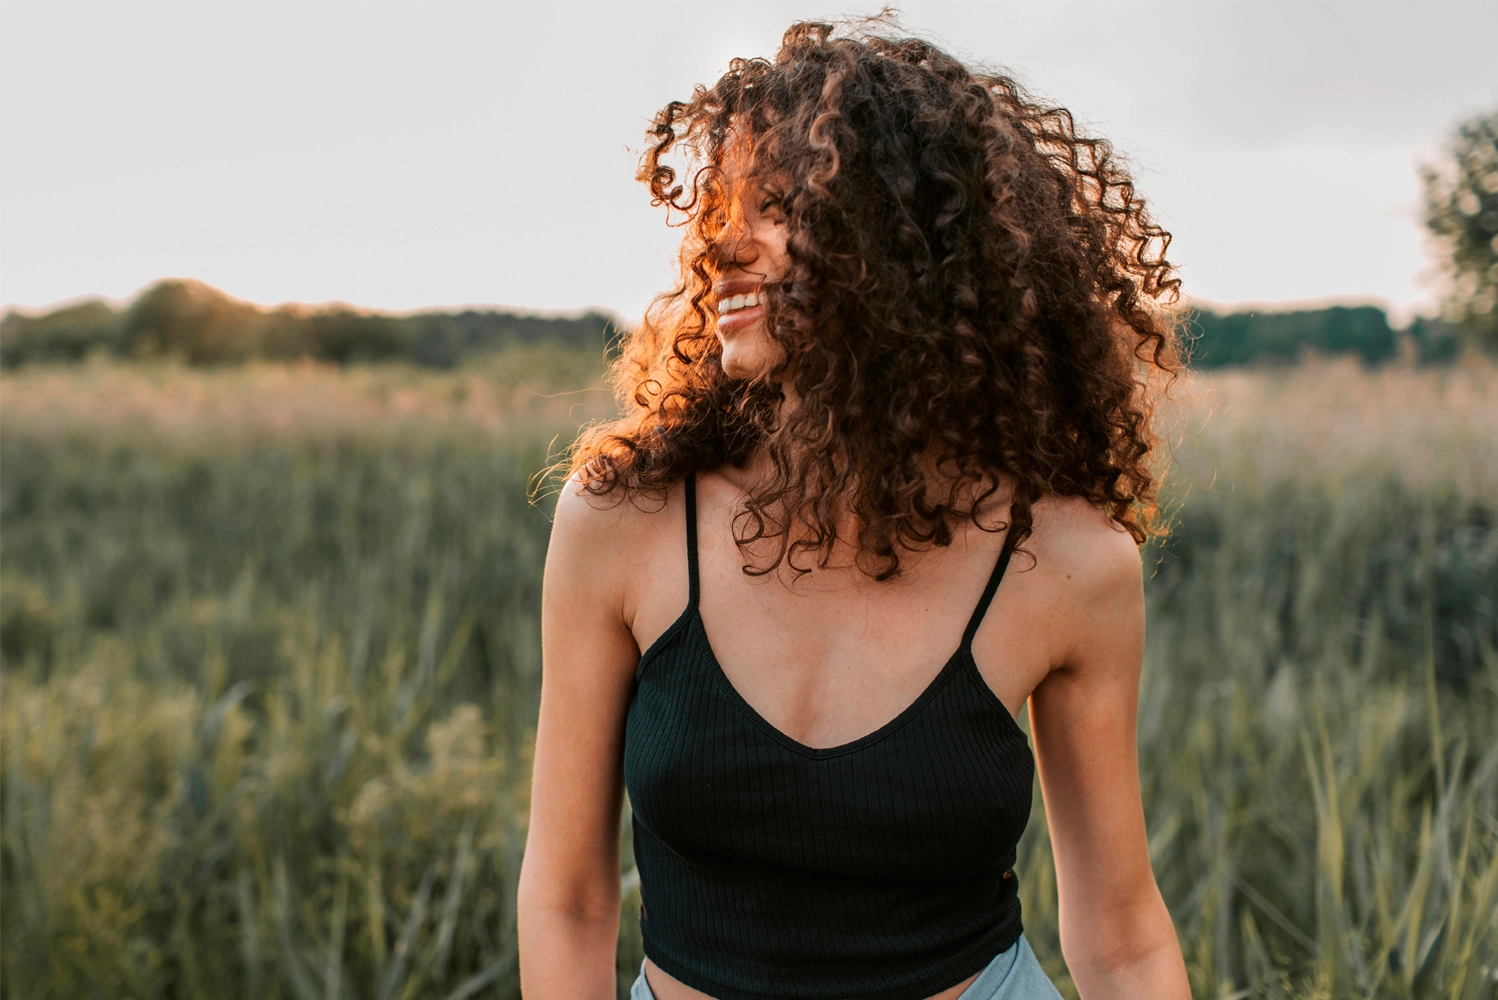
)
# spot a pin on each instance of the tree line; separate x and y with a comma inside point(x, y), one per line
point(200, 325)
point(1217, 340)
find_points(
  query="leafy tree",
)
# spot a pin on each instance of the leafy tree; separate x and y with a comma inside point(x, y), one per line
point(192, 321)
point(1461, 209)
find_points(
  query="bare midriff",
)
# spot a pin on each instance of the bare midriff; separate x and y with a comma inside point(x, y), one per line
point(665, 987)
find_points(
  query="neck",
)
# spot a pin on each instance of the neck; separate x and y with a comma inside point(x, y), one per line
point(758, 469)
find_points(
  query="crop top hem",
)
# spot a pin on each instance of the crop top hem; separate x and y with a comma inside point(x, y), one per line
point(947, 974)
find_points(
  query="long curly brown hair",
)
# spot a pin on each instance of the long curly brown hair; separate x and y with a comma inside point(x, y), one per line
point(973, 288)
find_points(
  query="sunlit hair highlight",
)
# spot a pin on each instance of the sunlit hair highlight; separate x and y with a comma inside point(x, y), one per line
point(974, 290)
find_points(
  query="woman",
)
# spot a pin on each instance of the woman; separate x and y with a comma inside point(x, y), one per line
point(913, 341)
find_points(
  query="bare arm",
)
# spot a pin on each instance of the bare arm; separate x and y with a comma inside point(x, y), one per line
point(1116, 934)
point(568, 905)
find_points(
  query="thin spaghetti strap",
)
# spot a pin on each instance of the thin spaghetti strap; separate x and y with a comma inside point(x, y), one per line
point(989, 591)
point(692, 584)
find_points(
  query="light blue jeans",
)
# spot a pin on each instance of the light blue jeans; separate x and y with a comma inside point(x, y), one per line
point(1012, 975)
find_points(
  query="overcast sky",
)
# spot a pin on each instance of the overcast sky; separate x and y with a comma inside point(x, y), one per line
point(406, 155)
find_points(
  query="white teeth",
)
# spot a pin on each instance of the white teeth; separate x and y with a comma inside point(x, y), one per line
point(733, 304)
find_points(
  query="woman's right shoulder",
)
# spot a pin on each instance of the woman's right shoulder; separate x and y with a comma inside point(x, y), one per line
point(617, 514)
point(613, 531)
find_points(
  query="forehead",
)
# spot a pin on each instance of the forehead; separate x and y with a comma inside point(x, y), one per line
point(746, 165)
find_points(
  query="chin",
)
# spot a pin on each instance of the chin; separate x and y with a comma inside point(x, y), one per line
point(737, 366)
point(741, 363)
point(742, 369)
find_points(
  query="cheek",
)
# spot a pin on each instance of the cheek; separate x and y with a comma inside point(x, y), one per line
point(775, 251)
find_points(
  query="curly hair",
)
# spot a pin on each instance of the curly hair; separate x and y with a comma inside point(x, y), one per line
point(970, 283)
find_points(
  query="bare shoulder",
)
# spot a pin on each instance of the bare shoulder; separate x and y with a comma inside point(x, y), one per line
point(1089, 574)
point(603, 546)
point(1086, 560)
point(1082, 540)
point(611, 525)
point(585, 516)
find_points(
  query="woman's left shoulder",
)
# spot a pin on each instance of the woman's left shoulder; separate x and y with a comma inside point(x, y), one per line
point(1087, 587)
point(1083, 551)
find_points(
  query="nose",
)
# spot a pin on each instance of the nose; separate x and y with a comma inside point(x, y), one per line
point(735, 247)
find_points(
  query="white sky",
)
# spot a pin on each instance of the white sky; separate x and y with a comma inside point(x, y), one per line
point(406, 155)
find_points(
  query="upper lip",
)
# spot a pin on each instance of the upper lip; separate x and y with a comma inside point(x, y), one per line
point(729, 287)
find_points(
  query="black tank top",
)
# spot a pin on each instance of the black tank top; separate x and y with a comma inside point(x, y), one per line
point(875, 870)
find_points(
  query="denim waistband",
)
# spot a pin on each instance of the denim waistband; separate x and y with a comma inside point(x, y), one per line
point(1014, 974)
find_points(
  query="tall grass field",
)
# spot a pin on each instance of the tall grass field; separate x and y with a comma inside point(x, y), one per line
point(271, 662)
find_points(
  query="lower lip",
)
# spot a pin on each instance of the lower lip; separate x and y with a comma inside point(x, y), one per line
point(735, 321)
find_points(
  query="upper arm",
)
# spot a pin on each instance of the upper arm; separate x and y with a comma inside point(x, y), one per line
point(588, 659)
point(1083, 717)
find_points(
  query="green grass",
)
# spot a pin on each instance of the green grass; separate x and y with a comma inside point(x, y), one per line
point(270, 682)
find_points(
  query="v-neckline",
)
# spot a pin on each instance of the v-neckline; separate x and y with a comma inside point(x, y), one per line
point(852, 746)
point(691, 617)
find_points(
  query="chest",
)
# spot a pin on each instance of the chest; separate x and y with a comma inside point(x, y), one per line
point(833, 655)
point(934, 792)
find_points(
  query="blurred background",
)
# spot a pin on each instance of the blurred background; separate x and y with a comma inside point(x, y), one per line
point(301, 300)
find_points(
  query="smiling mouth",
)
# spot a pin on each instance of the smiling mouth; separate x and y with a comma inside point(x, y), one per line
point(735, 303)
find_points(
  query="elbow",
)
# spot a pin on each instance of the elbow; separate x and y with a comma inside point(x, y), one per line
point(577, 901)
point(1122, 944)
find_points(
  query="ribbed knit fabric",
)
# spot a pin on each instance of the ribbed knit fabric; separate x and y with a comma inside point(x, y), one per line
point(769, 870)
